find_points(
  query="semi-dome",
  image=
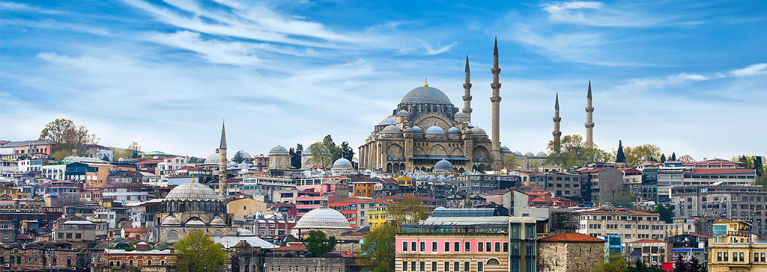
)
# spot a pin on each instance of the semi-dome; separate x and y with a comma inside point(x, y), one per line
point(323, 218)
point(454, 131)
point(425, 94)
point(195, 222)
point(171, 220)
point(478, 131)
point(417, 130)
point(192, 191)
point(460, 114)
point(342, 163)
point(391, 120)
point(217, 221)
point(403, 113)
point(391, 129)
point(541, 154)
point(529, 154)
point(278, 149)
point(213, 158)
point(435, 130)
point(505, 149)
point(443, 165)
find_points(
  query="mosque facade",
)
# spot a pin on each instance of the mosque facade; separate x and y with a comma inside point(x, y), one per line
point(426, 128)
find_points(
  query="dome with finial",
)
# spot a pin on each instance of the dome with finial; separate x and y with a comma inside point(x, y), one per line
point(417, 130)
point(443, 165)
point(323, 218)
point(342, 163)
point(213, 159)
point(391, 120)
point(426, 95)
point(192, 191)
point(454, 131)
point(391, 129)
point(278, 149)
point(435, 130)
point(403, 113)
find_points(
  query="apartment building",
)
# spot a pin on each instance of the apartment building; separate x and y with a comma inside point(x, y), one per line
point(733, 249)
point(567, 185)
point(630, 225)
point(744, 203)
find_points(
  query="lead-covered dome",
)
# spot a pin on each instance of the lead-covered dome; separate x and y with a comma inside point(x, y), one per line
point(454, 131)
point(278, 149)
point(213, 158)
point(391, 120)
point(435, 130)
point(425, 95)
point(192, 191)
point(443, 165)
point(417, 130)
point(342, 163)
point(391, 129)
point(323, 218)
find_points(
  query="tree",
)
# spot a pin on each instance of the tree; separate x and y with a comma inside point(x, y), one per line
point(60, 155)
point(377, 252)
point(238, 157)
point(695, 265)
point(673, 156)
point(679, 265)
point(320, 154)
point(319, 244)
point(623, 199)
point(135, 150)
point(620, 156)
point(196, 252)
point(665, 213)
point(638, 154)
point(346, 151)
point(295, 156)
point(572, 151)
point(686, 158)
point(614, 263)
point(662, 158)
point(511, 162)
point(67, 136)
point(408, 210)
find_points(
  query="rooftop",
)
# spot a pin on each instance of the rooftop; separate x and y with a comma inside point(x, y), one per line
point(570, 238)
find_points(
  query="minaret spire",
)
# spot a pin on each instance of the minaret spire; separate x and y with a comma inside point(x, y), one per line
point(222, 160)
point(496, 100)
point(557, 134)
point(467, 92)
point(589, 120)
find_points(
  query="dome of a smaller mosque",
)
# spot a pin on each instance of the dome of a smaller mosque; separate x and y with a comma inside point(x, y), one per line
point(403, 113)
point(171, 220)
point(213, 158)
point(417, 130)
point(517, 153)
point(478, 131)
point(443, 165)
point(505, 149)
point(244, 232)
point(391, 120)
point(460, 114)
point(529, 154)
point(278, 149)
point(391, 129)
point(192, 191)
point(245, 155)
point(342, 163)
point(435, 130)
point(454, 131)
point(541, 154)
point(323, 218)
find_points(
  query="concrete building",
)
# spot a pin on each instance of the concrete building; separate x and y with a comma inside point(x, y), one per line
point(567, 185)
point(599, 185)
point(744, 203)
point(630, 225)
point(569, 252)
point(477, 184)
point(245, 207)
point(75, 231)
point(651, 252)
point(733, 249)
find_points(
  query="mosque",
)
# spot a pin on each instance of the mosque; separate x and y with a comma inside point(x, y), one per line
point(426, 128)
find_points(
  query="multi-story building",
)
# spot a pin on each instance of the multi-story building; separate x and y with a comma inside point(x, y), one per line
point(170, 165)
point(14, 150)
point(598, 185)
point(690, 244)
point(142, 259)
point(364, 188)
point(347, 207)
point(668, 176)
point(272, 227)
point(378, 216)
point(466, 240)
point(567, 185)
point(482, 184)
point(733, 249)
point(271, 190)
point(127, 193)
point(733, 202)
point(723, 176)
point(75, 231)
point(630, 225)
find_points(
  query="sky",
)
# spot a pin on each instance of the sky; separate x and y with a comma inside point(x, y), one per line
point(688, 76)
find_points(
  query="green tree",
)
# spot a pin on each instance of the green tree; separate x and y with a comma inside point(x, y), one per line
point(573, 152)
point(680, 265)
point(662, 158)
point(320, 154)
point(347, 152)
point(620, 156)
point(295, 156)
point(408, 210)
point(638, 154)
point(695, 265)
point(665, 213)
point(673, 156)
point(623, 199)
point(319, 244)
point(238, 157)
point(196, 252)
point(511, 162)
point(67, 136)
point(614, 263)
point(60, 155)
point(377, 252)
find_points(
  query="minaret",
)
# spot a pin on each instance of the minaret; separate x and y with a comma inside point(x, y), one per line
point(222, 187)
point(496, 99)
point(467, 93)
point(557, 134)
point(589, 120)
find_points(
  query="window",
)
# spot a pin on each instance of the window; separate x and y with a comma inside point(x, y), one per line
point(412, 266)
point(404, 265)
point(480, 246)
point(423, 246)
point(447, 266)
point(763, 260)
point(412, 247)
point(480, 266)
point(726, 257)
point(456, 266)
point(497, 247)
point(488, 246)
point(433, 246)
point(467, 247)
point(756, 257)
point(505, 247)
point(423, 266)
point(466, 266)
point(741, 257)
point(457, 246)
point(493, 262)
point(447, 246)
point(404, 246)
point(433, 266)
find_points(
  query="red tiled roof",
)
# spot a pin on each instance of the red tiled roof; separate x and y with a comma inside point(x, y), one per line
point(571, 237)
point(136, 229)
point(593, 170)
point(631, 171)
point(646, 241)
point(292, 247)
point(703, 171)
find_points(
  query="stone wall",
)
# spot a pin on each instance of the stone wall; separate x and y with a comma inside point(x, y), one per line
point(39, 259)
point(569, 257)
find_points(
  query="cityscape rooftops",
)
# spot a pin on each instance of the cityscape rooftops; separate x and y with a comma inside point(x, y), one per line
point(570, 237)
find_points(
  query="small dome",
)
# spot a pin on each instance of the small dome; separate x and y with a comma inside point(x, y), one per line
point(278, 149)
point(425, 95)
point(391, 129)
point(454, 131)
point(460, 114)
point(323, 218)
point(417, 130)
point(192, 191)
point(443, 165)
point(403, 113)
point(195, 222)
point(245, 155)
point(541, 154)
point(409, 130)
point(435, 130)
point(505, 149)
point(244, 232)
point(170, 220)
point(529, 154)
point(388, 121)
point(342, 163)
point(213, 158)
point(217, 221)
point(478, 131)
point(517, 153)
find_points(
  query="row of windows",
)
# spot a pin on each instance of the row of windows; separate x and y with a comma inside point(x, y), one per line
point(421, 266)
point(739, 257)
point(481, 246)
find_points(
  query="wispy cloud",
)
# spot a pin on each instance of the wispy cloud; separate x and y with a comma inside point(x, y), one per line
point(756, 69)
point(597, 14)
point(13, 6)
point(237, 53)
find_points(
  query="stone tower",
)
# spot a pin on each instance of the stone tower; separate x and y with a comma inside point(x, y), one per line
point(222, 187)
point(589, 120)
point(467, 93)
point(496, 100)
point(557, 134)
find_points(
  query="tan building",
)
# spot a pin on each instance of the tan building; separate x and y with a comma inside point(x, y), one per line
point(733, 248)
point(75, 231)
point(569, 252)
point(651, 252)
point(245, 206)
point(98, 174)
point(630, 225)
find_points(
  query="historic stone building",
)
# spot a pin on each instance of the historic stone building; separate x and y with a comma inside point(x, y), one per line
point(569, 252)
point(426, 128)
point(189, 207)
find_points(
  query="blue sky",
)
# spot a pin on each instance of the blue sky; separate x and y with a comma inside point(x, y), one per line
point(688, 76)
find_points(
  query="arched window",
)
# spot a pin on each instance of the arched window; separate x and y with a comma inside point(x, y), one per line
point(493, 261)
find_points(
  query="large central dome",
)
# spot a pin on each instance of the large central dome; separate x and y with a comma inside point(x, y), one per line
point(426, 95)
point(192, 191)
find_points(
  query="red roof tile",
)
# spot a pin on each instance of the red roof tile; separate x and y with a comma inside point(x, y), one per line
point(703, 171)
point(571, 237)
point(593, 170)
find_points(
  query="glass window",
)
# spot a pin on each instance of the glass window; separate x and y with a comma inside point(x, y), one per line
point(505, 247)
point(447, 247)
point(742, 259)
point(423, 246)
point(412, 247)
point(466, 266)
point(456, 266)
point(480, 266)
point(457, 246)
point(433, 266)
point(726, 256)
point(404, 246)
point(433, 246)
point(497, 247)
point(763, 259)
point(422, 266)
point(447, 266)
point(480, 246)
point(467, 247)
point(412, 266)
point(488, 246)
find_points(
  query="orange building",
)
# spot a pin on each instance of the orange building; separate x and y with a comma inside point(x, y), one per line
point(364, 188)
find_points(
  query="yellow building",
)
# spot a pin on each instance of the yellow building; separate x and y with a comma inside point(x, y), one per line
point(364, 188)
point(377, 217)
point(405, 181)
point(246, 206)
point(7, 190)
point(734, 249)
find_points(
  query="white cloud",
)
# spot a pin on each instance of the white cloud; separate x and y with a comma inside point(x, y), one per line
point(13, 6)
point(596, 14)
point(237, 53)
point(755, 69)
point(558, 7)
